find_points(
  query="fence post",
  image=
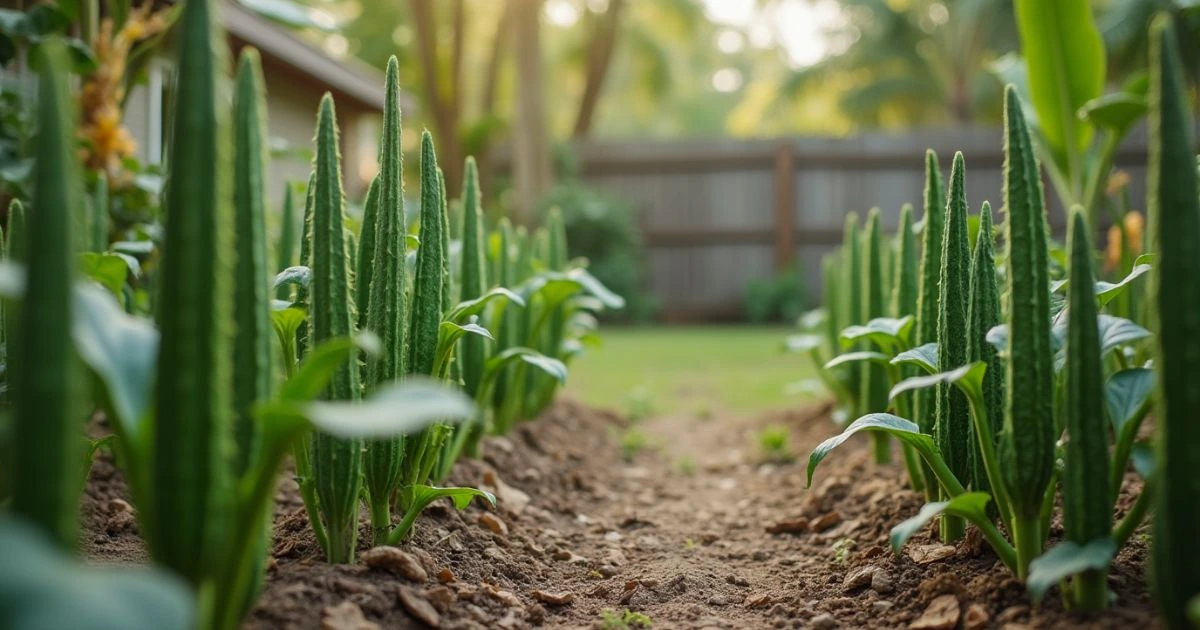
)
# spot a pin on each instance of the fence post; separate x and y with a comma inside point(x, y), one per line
point(785, 219)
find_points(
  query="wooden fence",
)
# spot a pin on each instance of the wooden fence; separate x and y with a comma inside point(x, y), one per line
point(717, 214)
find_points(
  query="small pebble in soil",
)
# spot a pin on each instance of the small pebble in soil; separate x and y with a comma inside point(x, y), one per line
point(881, 606)
point(976, 618)
point(346, 616)
point(493, 523)
point(760, 555)
point(418, 607)
point(825, 522)
point(881, 582)
point(823, 621)
point(395, 561)
point(797, 525)
point(761, 600)
point(941, 614)
point(737, 580)
point(858, 578)
point(441, 597)
point(553, 599)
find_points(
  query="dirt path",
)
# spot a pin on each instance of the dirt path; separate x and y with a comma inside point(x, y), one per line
point(679, 534)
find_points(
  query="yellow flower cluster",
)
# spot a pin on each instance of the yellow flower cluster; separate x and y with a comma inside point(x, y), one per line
point(106, 140)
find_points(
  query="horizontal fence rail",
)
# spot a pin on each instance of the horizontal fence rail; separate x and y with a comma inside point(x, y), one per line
point(717, 214)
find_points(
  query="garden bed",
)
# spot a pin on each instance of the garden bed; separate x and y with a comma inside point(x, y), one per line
point(679, 534)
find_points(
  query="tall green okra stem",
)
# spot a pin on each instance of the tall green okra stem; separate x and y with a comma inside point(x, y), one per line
point(424, 447)
point(98, 223)
point(952, 425)
point(1087, 504)
point(46, 379)
point(383, 282)
point(473, 275)
point(1027, 440)
point(1173, 198)
point(852, 302)
point(336, 462)
point(366, 248)
point(301, 451)
point(829, 297)
point(925, 329)
point(983, 314)
point(508, 332)
point(252, 341)
point(286, 249)
point(14, 250)
point(193, 389)
point(874, 396)
point(905, 286)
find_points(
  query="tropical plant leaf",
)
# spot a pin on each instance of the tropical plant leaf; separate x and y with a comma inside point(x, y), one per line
point(322, 361)
point(392, 410)
point(553, 367)
point(1127, 395)
point(424, 495)
point(1064, 560)
point(468, 308)
point(1116, 112)
point(897, 427)
point(971, 506)
point(857, 357)
point(885, 332)
point(968, 378)
point(108, 270)
point(924, 357)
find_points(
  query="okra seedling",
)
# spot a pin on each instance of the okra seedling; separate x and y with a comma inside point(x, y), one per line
point(1087, 504)
point(383, 282)
point(1027, 440)
point(983, 314)
point(252, 341)
point(930, 270)
point(852, 302)
point(336, 461)
point(46, 382)
point(285, 250)
point(873, 397)
point(472, 275)
point(1173, 199)
point(905, 288)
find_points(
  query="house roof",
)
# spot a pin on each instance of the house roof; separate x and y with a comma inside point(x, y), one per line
point(347, 77)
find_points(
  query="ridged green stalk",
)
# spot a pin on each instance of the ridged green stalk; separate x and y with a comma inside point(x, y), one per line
point(983, 314)
point(874, 395)
point(366, 248)
point(336, 462)
point(286, 250)
point(14, 248)
point(1087, 502)
point(829, 297)
point(509, 329)
point(194, 384)
point(306, 242)
point(851, 291)
point(424, 448)
point(473, 274)
point(1174, 203)
point(952, 424)
point(1027, 440)
point(903, 303)
point(45, 376)
point(925, 402)
point(428, 304)
point(98, 221)
point(447, 276)
point(383, 282)
point(252, 341)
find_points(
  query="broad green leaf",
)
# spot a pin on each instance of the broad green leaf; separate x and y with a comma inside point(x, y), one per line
point(1065, 60)
point(424, 495)
point(596, 289)
point(42, 588)
point(998, 337)
point(1128, 394)
point(108, 270)
point(971, 506)
point(924, 357)
point(320, 363)
point(897, 427)
point(1064, 560)
point(392, 410)
point(1116, 112)
point(856, 357)
point(453, 332)
point(803, 343)
point(1118, 331)
point(468, 308)
point(122, 351)
point(553, 367)
point(133, 248)
point(287, 320)
point(885, 332)
point(299, 275)
point(1142, 458)
point(1108, 291)
point(968, 378)
point(812, 320)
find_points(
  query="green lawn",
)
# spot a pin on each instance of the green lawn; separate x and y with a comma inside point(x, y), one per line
point(696, 369)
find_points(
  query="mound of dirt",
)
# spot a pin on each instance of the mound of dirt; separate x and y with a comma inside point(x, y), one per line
point(692, 531)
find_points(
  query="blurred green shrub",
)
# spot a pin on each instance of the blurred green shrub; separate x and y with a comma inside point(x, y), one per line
point(603, 229)
point(777, 299)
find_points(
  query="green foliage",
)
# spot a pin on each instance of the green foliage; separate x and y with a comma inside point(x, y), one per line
point(286, 249)
point(778, 298)
point(1027, 440)
point(983, 314)
point(46, 383)
point(930, 270)
point(472, 275)
point(952, 424)
point(193, 385)
point(1173, 199)
point(1087, 509)
point(773, 443)
point(336, 461)
point(624, 620)
point(873, 397)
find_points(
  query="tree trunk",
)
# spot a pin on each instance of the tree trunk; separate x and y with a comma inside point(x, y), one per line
point(441, 105)
point(531, 152)
point(600, 51)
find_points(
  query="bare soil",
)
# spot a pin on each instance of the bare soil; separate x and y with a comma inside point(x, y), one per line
point(678, 533)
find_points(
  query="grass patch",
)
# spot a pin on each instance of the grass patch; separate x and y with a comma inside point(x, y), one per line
point(693, 369)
